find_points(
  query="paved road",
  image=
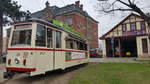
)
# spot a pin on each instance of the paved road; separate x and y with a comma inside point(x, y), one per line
point(55, 77)
point(123, 60)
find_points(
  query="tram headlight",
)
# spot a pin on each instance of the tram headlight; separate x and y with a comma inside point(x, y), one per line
point(9, 61)
point(17, 60)
point(24, 62)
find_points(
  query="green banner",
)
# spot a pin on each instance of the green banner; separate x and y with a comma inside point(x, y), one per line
point(66, 27)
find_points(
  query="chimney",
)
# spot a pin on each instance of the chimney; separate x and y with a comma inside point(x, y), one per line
point(77, 3)
point(81, 6)
point(47, 4)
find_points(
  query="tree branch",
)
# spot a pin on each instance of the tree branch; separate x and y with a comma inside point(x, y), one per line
point(133, 1)
point(119, 9)
point(124, 3)
point(134, 8)
point(130, 2)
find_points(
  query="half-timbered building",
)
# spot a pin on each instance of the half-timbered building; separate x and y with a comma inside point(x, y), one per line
point(129, 38)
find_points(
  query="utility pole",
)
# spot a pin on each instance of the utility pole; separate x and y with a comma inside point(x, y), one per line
point(1, 35)
point(112, 46)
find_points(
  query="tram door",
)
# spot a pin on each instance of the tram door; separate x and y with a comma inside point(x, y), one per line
point(50, 54)
point(44, 40)
point(58, 58)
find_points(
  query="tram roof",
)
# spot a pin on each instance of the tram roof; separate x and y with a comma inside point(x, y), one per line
point(49, 24)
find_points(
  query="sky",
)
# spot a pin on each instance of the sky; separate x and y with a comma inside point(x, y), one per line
point(106, 22)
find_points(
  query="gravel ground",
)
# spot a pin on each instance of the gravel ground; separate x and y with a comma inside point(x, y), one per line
point(54, 77)
point(2, 69)
point(105, 60)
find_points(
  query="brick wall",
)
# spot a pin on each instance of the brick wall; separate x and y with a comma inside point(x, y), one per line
point(80, 20)
point(83, 25)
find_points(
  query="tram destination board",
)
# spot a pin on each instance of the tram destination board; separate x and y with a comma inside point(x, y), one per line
point(23, 26)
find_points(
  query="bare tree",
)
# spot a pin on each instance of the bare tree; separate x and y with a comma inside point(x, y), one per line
point(109, 6)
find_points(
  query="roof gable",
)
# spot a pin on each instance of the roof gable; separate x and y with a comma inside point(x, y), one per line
point(121, 22)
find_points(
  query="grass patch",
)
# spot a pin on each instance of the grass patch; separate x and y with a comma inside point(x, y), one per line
point(113, 73)
point(144, 61)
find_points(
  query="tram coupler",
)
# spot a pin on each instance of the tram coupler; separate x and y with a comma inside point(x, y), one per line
point(8, 75)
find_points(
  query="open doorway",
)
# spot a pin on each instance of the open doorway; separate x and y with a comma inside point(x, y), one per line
point(129, 47)
point(111, 45)
point(121, 47)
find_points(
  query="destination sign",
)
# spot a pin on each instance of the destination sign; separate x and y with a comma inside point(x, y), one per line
point(23, 26)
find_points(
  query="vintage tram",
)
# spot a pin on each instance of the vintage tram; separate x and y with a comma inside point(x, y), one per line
point(37, 46)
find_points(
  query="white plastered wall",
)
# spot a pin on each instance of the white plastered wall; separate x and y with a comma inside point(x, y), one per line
point(104, 47)
point(139, 46)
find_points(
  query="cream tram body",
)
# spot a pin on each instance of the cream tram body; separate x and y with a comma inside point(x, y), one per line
point(36, 46)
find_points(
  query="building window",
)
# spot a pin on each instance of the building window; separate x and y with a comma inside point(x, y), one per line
point(49, 38)
point(142, 25)
point(89, 25)
point(69, 20)
point(133, 26)
point(58, 39)
point(124, 27)
point(41, 35)
point(117, 31)
point(144, 45)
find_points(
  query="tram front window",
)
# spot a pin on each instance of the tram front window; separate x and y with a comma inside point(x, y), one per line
point(21, 37)
point(41, 36)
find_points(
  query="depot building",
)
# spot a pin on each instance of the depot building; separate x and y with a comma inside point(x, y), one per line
point(129, 38)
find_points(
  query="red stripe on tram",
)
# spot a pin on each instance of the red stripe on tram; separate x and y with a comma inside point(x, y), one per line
point(20, 69)
point(46, 49)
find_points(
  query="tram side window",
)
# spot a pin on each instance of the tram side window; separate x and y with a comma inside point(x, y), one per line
point(69, 44)
point(49, 38)
point(41, 35)
point(74, 44)
point(58, 39)
point(81, 46)
point(78, 45)
point(85, 46)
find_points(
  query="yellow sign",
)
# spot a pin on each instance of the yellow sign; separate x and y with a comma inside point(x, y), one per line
point(128, 53)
